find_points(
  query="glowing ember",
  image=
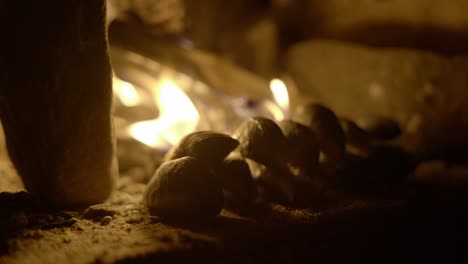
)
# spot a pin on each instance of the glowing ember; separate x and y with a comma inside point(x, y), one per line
point(126, 92)
point(280, 93)
point(178, 117)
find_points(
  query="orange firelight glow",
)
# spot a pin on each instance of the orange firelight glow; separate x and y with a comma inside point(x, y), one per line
point(178, 117)
point(126, 92)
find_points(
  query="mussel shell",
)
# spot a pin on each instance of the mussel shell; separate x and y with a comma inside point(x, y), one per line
point(237, 180)
point(277, 185)
point(356, 137)
point(302, 145)
point(184, 189)
point(262, 140)
point(207, 146)
point(326, 127)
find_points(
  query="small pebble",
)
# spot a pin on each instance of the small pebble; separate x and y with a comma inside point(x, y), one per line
point(78, 227)
point(98, 211)
point(106, 220)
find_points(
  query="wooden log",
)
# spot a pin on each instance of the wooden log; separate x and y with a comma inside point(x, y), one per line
point(55, 98)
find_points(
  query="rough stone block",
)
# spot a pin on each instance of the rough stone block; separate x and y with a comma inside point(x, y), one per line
point(425, 92)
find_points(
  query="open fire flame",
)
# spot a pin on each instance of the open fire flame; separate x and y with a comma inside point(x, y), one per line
point(281, 95)
point(178, 115)
point(279, 109)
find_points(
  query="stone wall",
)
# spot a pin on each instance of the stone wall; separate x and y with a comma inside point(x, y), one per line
point(425, 92)
point(398, 58)
point(256, 34)
point(428, 24)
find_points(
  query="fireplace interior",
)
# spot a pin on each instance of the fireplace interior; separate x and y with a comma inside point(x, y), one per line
point(266, 131)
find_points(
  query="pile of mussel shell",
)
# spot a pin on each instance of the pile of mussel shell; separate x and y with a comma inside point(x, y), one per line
point(293, 162)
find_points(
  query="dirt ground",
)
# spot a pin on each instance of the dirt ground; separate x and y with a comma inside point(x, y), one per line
point(121, 230)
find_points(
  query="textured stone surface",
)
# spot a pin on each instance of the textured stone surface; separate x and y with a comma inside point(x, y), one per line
point(55, 100)
point(254, 34)
point(424, 92)
point(163, 17)
point(431, 24)
point(241, 31)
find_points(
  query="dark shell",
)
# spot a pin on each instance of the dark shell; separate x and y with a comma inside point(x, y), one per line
point(207, 146)
point(184, 189)
point(326, 127)
point(237, 180)
point(278, 185)
point(379, 127)
point(262, 140)
point(302, 146)
point(356, 137)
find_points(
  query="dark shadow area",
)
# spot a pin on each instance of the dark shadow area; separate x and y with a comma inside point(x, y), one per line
point(20, 211)
point(385, 235)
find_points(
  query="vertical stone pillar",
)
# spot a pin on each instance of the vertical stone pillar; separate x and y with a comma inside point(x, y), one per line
point(55, 98)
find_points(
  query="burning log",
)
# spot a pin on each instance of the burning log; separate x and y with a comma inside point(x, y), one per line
point(56, 99)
